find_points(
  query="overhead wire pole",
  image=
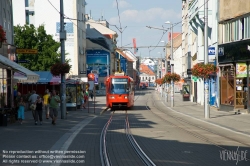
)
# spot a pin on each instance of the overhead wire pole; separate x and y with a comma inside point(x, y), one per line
point(172, 68)
point(206, 88)
point(62, 40)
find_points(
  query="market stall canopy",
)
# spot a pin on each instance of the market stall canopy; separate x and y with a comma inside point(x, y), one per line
point(6, 63)
point(45, 77)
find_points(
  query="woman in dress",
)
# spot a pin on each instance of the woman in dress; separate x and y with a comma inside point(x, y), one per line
point(21, 106)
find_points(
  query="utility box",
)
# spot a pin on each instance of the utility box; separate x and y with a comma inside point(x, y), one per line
point(186, 92)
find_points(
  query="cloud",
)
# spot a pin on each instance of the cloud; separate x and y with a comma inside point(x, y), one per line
point(121, 4)
point(140, 16)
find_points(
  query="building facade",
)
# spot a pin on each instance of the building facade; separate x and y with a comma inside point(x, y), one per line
point(233, 54)
point(40, 12)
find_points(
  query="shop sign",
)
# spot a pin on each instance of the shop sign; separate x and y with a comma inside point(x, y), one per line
point(194, 78)
point(241, 70)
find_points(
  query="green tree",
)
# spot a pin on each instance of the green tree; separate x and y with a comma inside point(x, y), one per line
point(29, 37)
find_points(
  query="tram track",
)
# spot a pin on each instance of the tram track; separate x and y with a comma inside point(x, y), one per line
point(182, 122)
point(105, 159)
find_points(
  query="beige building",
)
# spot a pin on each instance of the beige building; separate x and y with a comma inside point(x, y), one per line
point(233, 53)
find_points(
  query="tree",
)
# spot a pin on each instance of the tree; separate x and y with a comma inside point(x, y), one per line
point(29, 37)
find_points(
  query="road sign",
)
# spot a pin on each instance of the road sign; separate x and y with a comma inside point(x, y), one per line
point(83, 72)
point(26, 51)
point(221, 51)
point(189, 71)
point(194, 78)
point(22, 61)
point(211, 51)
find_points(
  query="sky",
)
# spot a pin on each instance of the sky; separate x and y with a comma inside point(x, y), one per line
point(135, 16)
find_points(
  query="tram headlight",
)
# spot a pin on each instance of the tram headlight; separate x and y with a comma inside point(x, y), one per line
point(112, 97)
point(125, 97)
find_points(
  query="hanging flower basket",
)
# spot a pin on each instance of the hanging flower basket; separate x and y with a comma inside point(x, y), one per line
point(59, 68)
point(204, 70)
point(2, 36)
point(171, 76)
point(159, 81)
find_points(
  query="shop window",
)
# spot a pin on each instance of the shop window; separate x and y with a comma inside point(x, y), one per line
point(227, 85)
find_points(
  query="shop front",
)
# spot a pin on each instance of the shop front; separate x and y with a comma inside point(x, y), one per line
point(234, 80)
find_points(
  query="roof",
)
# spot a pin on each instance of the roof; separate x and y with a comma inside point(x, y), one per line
point(145, 69)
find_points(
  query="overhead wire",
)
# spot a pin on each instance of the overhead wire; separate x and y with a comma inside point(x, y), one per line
point(70, 19)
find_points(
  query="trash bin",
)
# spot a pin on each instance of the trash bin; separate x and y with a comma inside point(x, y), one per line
point(3, 119)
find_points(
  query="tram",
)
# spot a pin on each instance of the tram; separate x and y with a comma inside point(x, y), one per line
point(119, 92)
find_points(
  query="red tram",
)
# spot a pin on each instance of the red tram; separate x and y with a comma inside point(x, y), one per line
point(119, 92)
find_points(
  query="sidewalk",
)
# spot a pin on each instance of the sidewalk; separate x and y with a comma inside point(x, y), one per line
point(228, 120)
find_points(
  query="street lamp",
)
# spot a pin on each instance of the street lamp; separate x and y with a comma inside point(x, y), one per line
point(172, 65)
point(166, 84)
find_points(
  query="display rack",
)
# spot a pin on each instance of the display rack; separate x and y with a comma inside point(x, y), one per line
point(240, 93)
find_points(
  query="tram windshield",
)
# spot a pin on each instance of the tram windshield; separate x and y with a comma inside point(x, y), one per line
point(119, 86)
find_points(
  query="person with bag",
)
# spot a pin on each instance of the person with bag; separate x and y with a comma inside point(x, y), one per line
point(20, 111)
point(32, 99)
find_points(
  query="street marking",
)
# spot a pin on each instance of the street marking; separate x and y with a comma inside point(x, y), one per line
point(65, 141)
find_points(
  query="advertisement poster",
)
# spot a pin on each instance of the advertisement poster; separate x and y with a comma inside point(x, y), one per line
point(123, 62)
point(241, 70)
point(98, 60)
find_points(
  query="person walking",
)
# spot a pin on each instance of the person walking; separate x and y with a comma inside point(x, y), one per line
point(46, 103)
point(39, 110)
point(85, 98)
point(20, 111)
point(32, 100)
point(91, 95)
point(53, 104)
point(81, 99)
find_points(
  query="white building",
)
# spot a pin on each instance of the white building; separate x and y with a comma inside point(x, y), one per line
point(47, 13)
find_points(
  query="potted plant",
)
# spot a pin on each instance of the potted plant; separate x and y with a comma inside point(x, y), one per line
point(2, 36)
point(203, 70)
point(59, 68)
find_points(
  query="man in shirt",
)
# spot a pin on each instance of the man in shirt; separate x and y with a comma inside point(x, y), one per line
point(53, 106)
point(46, 103)
point(32, 99)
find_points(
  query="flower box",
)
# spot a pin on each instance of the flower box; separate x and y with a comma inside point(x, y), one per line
point(204, 70)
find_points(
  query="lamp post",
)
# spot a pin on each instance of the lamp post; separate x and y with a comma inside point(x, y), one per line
point(206, 89)
point(166, 84)
point(172, 65)
point(161, 72)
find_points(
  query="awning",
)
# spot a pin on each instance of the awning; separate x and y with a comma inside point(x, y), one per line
point(8, 64)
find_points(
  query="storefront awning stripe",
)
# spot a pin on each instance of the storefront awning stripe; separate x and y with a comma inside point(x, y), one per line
point(31, 76)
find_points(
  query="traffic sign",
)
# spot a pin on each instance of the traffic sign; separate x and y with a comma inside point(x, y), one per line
point(83, 72)
point(194, 78)
point(211, 51)
point(23, 61)
point(26, 51)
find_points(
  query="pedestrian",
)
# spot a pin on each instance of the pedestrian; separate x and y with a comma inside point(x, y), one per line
point(46, 103)
point(20, 111)
point(81, 99)
point(85, 98)
point(91, 95)
point(53, 104)
point(32, 100)
point(39, 110)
